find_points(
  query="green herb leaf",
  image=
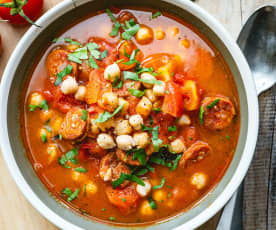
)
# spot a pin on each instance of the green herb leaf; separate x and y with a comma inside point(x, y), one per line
point(213, 103)
point(74, 59)
point(134, 76)
point(93, 63)
point(128, 177)
point(155, 15)
point(82, 170)
point(227, 137)
point(143, 70)
point(190, 138)
point(124, 199)
point(132, 59)
point(171, 138)
point(152, 203)
point(201, 114)
point(44, 105)
point(141, 155)
point(69, 156)
point(112, 218)
point(84, 115)
point(161, 184)
point(66, 71)
point(103, 117)
point(157, 110)
point(130, 29)
point(103, 209)
point(175, 162)
point(72, 42)
point(117, 83)
point(44, 137)
point(116, 26)
point(145, 128)
point(104, 54)
point(93, 49)
point(172, 128)
point(150, 120)
point(71, 195)
point(136, 92)
point(32, 107)
point(48, 128)
point(155, 140)
point(78, 55)
point(55, 40)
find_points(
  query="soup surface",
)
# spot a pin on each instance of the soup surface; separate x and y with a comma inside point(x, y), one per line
point(130, 116)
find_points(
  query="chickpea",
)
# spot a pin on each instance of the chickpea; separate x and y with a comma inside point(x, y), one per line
point(136, 121)
point(105, 141)
point(184, 120)
point(125, 107)
point(79, 177)
point(147, 76)
point(173, 31)
point(178, 146)
point(159, 34)
point(125, 142)
point(159, 195)
point(159, 90)
point(185, 43)
point(122, 127)
point(69, 85)
point(36, 99)
point(146, 209)
point(199, 180)
point(90, 187)
point(144, 35)
point(144, 106)
point(52, 151)
point(80, 94)
point(143, 191)
point(150, 95)
point(141, 139)
point(110, 100)
point(46, 115)
point(111, 72)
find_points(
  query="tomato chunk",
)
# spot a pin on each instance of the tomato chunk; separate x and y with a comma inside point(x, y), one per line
point(126, 200)
point(173, 100)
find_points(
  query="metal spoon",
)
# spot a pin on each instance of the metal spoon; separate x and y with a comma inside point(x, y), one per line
point(257, 40)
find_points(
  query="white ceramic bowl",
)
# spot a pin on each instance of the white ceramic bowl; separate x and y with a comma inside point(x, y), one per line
point(15, 77)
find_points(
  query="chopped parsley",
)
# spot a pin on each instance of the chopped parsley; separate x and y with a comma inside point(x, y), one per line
point(135, 77)
point(42, 105)
point(124, 199)
point(213, 103)
point(171, 137)
point(132, 59)
point(152, 203)
point(139, 154)
point(93, 63)
point(201, 114)
point(43, 137)
point(190, 138)
point(136, 92)
point(227, 137)
point(111, 218)
point(48, 128)
point(103, 209)
point(81, 170)
point(156, 14)
point(172, 128)
point(71, 195)
point(117, 83)
point(72, 42)
point(104, 54)
point(103, 117)
point(145, 128)
point(79, 55)
point(128, 177)
point(84, 115)
point(155, 140)
point(157, 110)
point(150, 120)
point(69, 156)
point(94, 50)
point(143, 70)
point(130, 29)
point(66, 71)
point(55, 40)
point(116, 26)
point(160, 185)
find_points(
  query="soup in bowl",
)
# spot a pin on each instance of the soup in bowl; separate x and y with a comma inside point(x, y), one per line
point(130, 116)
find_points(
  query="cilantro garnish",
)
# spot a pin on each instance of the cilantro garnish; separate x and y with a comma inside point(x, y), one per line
point(103, 117)
point(172, 128)
point(156, 14)
point(132, 59)
point(128, 177)
point(136, 92)
point(201, 114)
point(152, 203)
point(69, 156)
point(213, 103)
point(161, 184)
point(84, 115)
point(116, 26)
point(134, 76)
point(66, 71)
point(79, 55)
point(82, 170)
point(72, 42)
point(130, 29)
point(155, 140)
point(71, 195)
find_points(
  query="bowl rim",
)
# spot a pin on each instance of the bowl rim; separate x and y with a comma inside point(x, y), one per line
point(253, 116)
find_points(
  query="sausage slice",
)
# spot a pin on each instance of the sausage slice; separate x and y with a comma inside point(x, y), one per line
point(218, 115)
point(111, 169)
point(73, 125)
point(57, 61)
point(196, 152)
